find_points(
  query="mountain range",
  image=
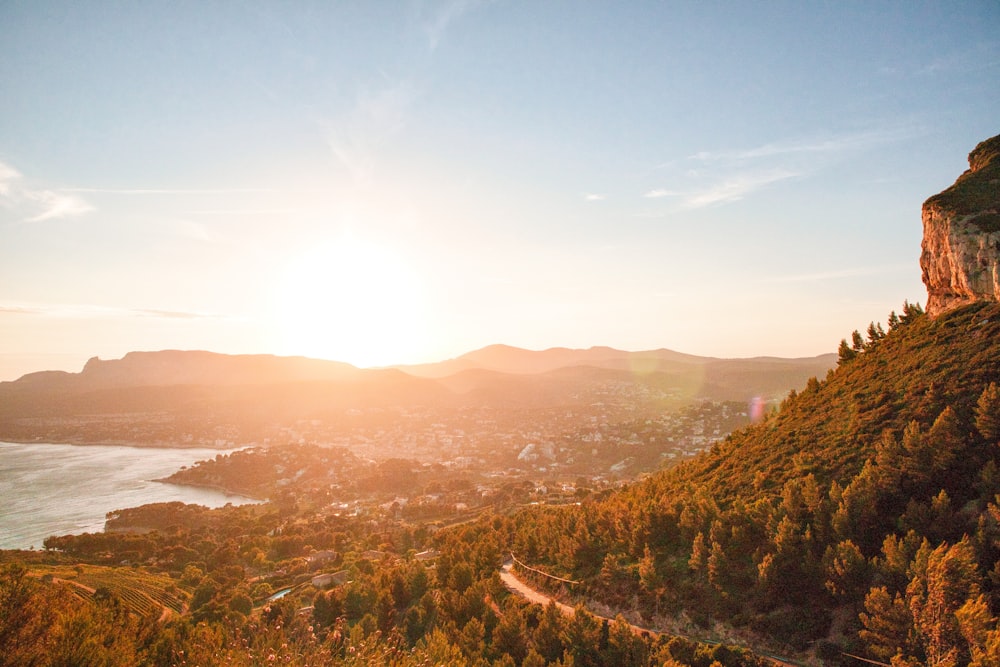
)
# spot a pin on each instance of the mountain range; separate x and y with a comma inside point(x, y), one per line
point(190, 390)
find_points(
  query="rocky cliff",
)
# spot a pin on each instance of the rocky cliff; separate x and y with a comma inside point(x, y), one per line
point(960, 258)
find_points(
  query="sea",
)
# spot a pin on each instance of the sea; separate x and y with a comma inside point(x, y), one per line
point(48, 489)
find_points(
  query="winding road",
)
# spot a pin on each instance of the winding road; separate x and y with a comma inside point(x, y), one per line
point(518, 587)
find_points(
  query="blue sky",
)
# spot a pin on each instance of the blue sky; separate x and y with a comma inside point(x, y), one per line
point(398, 182)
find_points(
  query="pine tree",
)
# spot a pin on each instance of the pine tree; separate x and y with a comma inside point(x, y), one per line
point(988, 413)
point(857, 341)
point(845, 353)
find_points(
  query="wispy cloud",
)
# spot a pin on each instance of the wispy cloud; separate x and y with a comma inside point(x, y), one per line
point(7, 177)
point(838, 274)
point(195, 231)
point(382, 109)
point(18, 310)
point(834, 144)
point(91, 311)
point(169, 191)
point(720, 176)
point(437, 25)
point(973, 58)
point(660, 192)
point(56, 205)
point(244, 211)
point(736, 187)
point(377, 116)
point(171, 314)
point(593, 196)
point(35, 204)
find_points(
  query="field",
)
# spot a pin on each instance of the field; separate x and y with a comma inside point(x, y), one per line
point(142, 592)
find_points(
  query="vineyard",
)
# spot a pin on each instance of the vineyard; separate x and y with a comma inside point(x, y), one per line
point(142, 592)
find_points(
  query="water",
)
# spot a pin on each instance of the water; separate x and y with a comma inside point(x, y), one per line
point(67, 489)
point(280, 594)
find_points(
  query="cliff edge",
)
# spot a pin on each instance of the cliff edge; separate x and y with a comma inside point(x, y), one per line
point(960, 251)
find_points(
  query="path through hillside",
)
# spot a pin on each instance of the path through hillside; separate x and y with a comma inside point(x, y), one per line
point(530, 594)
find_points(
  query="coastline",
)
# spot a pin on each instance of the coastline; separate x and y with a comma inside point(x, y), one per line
point(126, 443)
point(68, 489)
point(211, 487)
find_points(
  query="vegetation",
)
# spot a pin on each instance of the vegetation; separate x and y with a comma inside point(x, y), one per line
point(976, 190)
point(861, 517)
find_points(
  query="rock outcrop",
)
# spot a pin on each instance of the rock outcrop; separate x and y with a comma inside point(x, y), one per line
point(960, 258)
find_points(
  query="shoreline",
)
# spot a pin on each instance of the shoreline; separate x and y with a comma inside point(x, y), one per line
point(127, 443)
point(211, 487)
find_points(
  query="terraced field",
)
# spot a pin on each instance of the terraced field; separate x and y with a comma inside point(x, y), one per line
point(142, 592)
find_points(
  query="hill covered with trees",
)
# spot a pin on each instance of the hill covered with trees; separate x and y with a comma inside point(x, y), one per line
point(860, 517)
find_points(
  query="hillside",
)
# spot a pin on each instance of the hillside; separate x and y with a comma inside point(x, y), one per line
point(786, 526)
point(862, 518)
point(910, 376)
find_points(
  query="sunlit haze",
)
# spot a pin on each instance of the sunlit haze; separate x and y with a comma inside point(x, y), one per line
point(384, 183)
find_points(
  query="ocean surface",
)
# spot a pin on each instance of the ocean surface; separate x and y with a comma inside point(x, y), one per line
point(67, 489)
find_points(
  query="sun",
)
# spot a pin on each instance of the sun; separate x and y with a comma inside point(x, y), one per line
point(351, 301)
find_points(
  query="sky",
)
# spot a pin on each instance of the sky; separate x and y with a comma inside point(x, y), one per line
point(401, 182)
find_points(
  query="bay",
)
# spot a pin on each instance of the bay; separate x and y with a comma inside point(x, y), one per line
point(48, 489)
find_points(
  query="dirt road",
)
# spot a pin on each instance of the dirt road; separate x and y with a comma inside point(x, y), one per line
point(518, 587)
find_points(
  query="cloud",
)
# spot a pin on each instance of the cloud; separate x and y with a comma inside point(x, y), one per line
point(90, 311)
point(660, 192)
point(169, 191)
point(195, 231)
point(835, 144)
point(437, 25)
point(245, 211)
point(736, 188)
point(713, 177)
point(7, 177)
point(170, 314)
point(838, 274)
point(34, 204)
point(377, 116)
point(56, 205)
point(19, 310)
point(595, 197)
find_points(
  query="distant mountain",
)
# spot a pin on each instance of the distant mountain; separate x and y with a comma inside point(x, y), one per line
point(727, 380)
point(507, 359)
point(705, 377)
point(175, 367)
point(203, 397)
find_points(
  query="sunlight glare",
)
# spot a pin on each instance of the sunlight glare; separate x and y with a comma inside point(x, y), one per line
point(350, 301)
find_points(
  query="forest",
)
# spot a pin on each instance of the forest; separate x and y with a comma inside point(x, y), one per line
point(860, 519)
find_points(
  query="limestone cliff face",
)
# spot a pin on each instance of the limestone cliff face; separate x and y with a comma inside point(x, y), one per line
point(960, 258)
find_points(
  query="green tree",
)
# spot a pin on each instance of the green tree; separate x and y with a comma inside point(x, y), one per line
point(887, 625)
point(548, 635)
point(583, 638)
point(510, 635)
point(988, 413)
point(847, 571)
point(845, 353)
point(979, 628)
point(936, 593)
point(26, 620)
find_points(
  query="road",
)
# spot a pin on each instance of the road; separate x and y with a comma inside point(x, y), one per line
point(518, 587)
